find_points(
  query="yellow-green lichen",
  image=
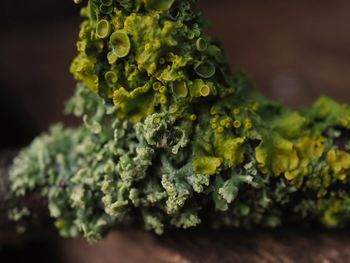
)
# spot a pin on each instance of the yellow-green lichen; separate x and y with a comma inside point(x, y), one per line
point(172, 138)
point(206, 165)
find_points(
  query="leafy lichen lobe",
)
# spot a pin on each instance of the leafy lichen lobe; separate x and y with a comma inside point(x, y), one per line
point(171, 138)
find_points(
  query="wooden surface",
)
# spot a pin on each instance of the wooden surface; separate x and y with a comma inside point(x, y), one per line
point(278, 246)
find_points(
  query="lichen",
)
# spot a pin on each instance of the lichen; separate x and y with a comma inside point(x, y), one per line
point(172, 138)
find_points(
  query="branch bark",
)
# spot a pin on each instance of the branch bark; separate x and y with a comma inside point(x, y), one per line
point(285, 245)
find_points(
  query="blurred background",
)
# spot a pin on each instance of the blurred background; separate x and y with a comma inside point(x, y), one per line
point(293, 50)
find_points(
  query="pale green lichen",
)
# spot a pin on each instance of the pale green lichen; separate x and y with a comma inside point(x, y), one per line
point(175, 140)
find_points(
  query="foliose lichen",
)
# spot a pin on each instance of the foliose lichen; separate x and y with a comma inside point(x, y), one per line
point(172, 138)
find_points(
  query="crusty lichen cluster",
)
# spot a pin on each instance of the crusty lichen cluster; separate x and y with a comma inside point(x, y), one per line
point(171, 138)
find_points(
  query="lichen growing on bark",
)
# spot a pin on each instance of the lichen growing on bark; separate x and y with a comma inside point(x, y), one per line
point(172, 138)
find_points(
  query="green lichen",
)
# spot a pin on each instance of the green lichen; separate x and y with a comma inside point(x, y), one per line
point(171, 138)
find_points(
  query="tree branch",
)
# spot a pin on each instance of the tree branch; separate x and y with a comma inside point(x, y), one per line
point(282, 245)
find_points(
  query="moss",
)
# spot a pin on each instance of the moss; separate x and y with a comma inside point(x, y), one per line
point(172, 138)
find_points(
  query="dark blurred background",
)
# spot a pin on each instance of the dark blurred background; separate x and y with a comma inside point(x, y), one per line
point(294, 50)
